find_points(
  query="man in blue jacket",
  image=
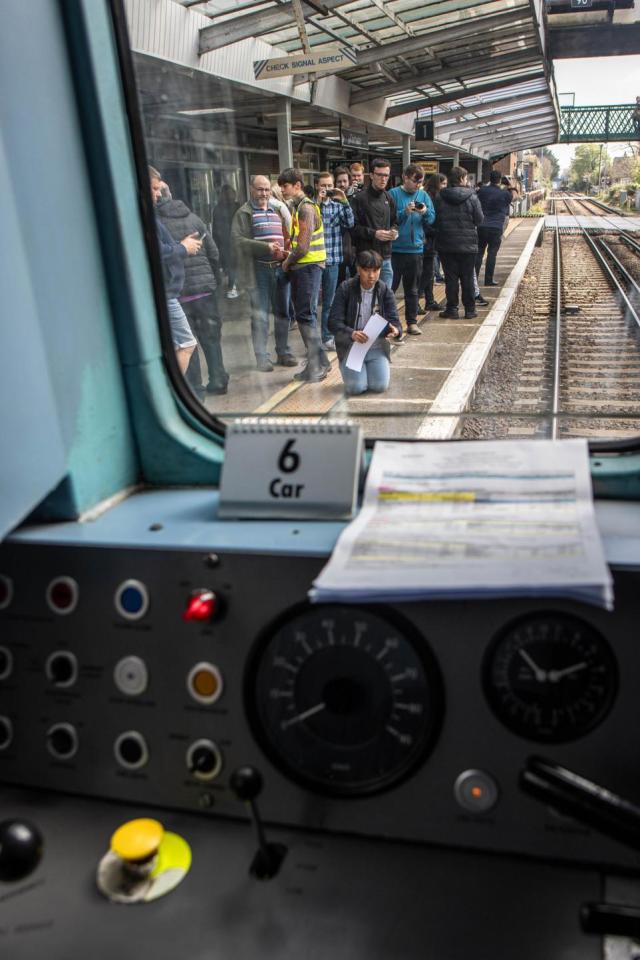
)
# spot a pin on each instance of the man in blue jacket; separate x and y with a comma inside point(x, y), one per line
point(415, 212)
point(495, 203)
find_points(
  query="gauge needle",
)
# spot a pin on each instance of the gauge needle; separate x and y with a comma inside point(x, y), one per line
point(539, 673)
point(555, 675)
point(303, 716)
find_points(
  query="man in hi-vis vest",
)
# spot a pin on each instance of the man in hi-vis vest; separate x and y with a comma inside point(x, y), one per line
point(304, 265)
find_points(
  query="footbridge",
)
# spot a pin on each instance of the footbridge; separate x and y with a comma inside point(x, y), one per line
point(599, 124)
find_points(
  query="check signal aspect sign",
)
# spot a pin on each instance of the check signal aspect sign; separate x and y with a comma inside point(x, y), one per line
point(322, 59)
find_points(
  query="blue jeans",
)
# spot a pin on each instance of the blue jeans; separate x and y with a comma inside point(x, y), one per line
point(374, 376)
point(329, 284)
point(386, 273)
point(271, 292)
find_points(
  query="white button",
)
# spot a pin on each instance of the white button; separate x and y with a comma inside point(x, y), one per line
point(476, 791)
point(131, 676)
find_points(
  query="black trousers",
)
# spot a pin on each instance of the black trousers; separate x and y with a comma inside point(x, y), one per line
point(426, 277)
point(491, 238)
point(407, 267)
point(204, 319)
point(458, 270)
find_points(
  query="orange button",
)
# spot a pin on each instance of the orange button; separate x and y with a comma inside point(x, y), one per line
point(204, 682)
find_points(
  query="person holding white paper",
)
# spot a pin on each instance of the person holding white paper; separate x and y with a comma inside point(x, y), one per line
point(356, 302)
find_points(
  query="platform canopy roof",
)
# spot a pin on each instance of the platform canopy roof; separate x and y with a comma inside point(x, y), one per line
point(481, 67)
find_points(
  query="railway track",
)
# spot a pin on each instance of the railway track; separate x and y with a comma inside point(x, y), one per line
point(573, 364)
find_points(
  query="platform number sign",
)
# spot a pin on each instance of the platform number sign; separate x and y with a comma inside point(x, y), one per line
point(291, 469)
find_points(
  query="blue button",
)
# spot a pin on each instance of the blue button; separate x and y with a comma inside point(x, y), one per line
point(131, 600)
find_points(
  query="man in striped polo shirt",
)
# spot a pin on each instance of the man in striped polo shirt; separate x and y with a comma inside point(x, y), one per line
point(260, 236)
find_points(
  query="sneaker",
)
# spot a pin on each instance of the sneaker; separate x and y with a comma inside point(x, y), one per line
point(491, 283)
point(265, 366)
point(433, 305)
point(329, 344)
point(414, 330)
point(287, 360)
point(309, 377)
point(470, 314)
point(449, 314)
point(481, 300)
point(233, 293)
point(422, 310)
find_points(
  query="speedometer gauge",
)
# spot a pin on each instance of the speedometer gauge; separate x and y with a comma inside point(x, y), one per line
point(344, 700)
point(550, 677)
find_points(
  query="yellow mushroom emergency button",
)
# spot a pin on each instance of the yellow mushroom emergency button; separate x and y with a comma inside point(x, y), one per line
point(137, 839)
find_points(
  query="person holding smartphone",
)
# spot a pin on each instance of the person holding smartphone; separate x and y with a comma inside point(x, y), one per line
point(337, 217)
point(415, 214)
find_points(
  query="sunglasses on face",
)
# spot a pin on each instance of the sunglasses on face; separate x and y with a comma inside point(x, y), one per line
point(418, 179)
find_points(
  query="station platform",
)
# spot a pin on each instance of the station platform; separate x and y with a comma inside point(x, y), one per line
point(431, 375)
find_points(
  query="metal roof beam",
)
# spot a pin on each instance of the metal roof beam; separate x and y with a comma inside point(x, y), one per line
point(477, 67)
point(454, 128)
point(594, 40)
point(413, 106)
point(253, 25)
point(467, 28)
point(516, 137)
point(508, 100)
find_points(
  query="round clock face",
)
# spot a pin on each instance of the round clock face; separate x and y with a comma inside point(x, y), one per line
point(344, 700)
point(550, 677)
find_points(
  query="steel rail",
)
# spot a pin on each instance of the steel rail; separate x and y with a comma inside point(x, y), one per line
point(621, 267)
point(555, 396)
point(606, 268)
point(628, 239)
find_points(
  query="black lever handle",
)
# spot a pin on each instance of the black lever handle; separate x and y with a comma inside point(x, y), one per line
point(583, 800)
point(613, 919)
point(246, 783)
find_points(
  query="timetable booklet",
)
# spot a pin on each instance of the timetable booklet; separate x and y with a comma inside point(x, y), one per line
point(472, 519)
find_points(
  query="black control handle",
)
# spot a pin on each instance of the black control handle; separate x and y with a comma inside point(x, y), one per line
point(585, 801)
point(611, 919)
point(21, 847)
point(246, 783)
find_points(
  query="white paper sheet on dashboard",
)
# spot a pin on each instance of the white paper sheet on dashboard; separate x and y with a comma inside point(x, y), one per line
point(373, 328)
point(472, 518)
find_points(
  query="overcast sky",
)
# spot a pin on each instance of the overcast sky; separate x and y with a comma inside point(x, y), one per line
point(596, 80)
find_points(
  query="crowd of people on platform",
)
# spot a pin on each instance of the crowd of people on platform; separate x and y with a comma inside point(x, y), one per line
point(324, 260)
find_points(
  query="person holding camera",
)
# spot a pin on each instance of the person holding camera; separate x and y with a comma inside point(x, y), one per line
point(415, 214)
point(495, 199)
point(354, 303)
point(337, 217)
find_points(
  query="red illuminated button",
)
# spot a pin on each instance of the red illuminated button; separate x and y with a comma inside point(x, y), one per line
point(62, 595)
point(201, 605)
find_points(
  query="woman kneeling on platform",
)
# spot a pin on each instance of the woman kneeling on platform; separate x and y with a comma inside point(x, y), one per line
point(355, 301)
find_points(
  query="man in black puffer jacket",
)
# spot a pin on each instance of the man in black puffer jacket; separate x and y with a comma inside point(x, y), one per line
point(199, 297)
point(458, 216)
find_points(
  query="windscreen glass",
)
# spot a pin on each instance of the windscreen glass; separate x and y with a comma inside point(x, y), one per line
point(310, 271)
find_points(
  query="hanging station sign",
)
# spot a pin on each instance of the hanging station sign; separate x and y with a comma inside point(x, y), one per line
point(320, 60)
point(354, 138)
point(424, 130)
point(429, 166)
